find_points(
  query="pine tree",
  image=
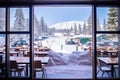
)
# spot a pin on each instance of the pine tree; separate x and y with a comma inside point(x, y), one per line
point(112, 19)
point(89, 27)
point(36, 27)
point(42, 25)
point(104, 25)
point(84, 29)
point(79, 29)
point(98, 25)
point(2, 19)
point(19, 23)
point(75, 29)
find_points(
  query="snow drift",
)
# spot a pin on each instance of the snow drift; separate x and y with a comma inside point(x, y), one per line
point(76, 57)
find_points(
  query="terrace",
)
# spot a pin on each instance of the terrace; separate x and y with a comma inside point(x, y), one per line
point(73, 47)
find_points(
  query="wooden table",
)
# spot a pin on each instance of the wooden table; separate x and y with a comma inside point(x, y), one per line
point(110, 61)
point(41, 52)
point(26, 60)
point(15, 52)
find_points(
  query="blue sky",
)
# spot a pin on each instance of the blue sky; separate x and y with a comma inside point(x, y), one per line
point(102, 14)
point(53, 15)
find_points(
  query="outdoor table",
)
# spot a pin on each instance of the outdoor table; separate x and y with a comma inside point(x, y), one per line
point(41, 52)
point(26, 60)
point(110, 61)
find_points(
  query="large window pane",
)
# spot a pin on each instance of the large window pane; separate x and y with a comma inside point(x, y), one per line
point(2, 19)
point(19, 19)
point(107, 19)
point(19, 55)
point(2, 55)
point(107, 55)
point(64, 34)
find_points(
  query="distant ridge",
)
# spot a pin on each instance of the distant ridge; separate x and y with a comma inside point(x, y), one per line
point(67, 25)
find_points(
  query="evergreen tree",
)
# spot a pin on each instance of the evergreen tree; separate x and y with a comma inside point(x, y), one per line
point(19, 23)
point(79, 29)
point(98, 25)
point(2, 19)
point(42, 25)
point(104, 25)
point(27, 24)
point(46, 28)
point(75, 29)
point(89, 27)
point(84, 29)
point(71, 29)
point(37, 29)
point(112, 19)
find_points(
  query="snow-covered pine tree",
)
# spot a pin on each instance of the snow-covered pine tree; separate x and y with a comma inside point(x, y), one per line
point(112, 19)
point(2, 19)
point(19, 23)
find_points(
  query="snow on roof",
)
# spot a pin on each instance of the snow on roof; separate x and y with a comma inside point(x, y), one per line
point(82, 36)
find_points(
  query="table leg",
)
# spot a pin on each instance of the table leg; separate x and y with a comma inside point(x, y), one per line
point(112, 73)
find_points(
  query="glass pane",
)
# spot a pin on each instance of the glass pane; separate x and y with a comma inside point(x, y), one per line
point(19, 55)
point(62, 36)
point(19, 19)
point(107, 19)
point(2, 19)
point(2, 55)
point(107, 55)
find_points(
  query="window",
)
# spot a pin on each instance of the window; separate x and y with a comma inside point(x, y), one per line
point(65, 36)
point(107, 49)
point(19, 42)
point(21, 31)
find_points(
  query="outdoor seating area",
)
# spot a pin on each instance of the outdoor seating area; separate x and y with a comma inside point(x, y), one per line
point(59, 39)
point(107, 59)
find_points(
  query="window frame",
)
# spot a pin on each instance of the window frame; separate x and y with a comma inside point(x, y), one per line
point(30, 4)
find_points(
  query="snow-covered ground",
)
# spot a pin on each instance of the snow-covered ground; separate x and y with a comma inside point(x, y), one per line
point(65, 61)
point(57, 44)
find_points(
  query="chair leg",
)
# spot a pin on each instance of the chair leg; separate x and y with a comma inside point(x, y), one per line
point(98, 71)
point(43, 74)
point(108, 74)
point(34, 74)
point(102, 74)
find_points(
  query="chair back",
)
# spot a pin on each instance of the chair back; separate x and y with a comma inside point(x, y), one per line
point(98, 53)
point(41, 55)
point(105, 54)
point(26, 54)
point(13, 65)
point(114, 54)
point(37, 64)
point(1, 58)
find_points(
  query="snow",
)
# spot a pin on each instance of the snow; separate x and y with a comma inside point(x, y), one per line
point(2, 40)
point(65, 60)
point(76, 57)
point(66, 25)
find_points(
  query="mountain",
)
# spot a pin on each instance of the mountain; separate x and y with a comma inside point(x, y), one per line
point(67, 25)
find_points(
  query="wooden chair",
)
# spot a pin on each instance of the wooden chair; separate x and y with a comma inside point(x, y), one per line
point(105, 54)
point(40, 55)
point(38, 67)
point(114, 54)
point(103, 68)
point(27, 54)
point(15, 68)
point(99, 53)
